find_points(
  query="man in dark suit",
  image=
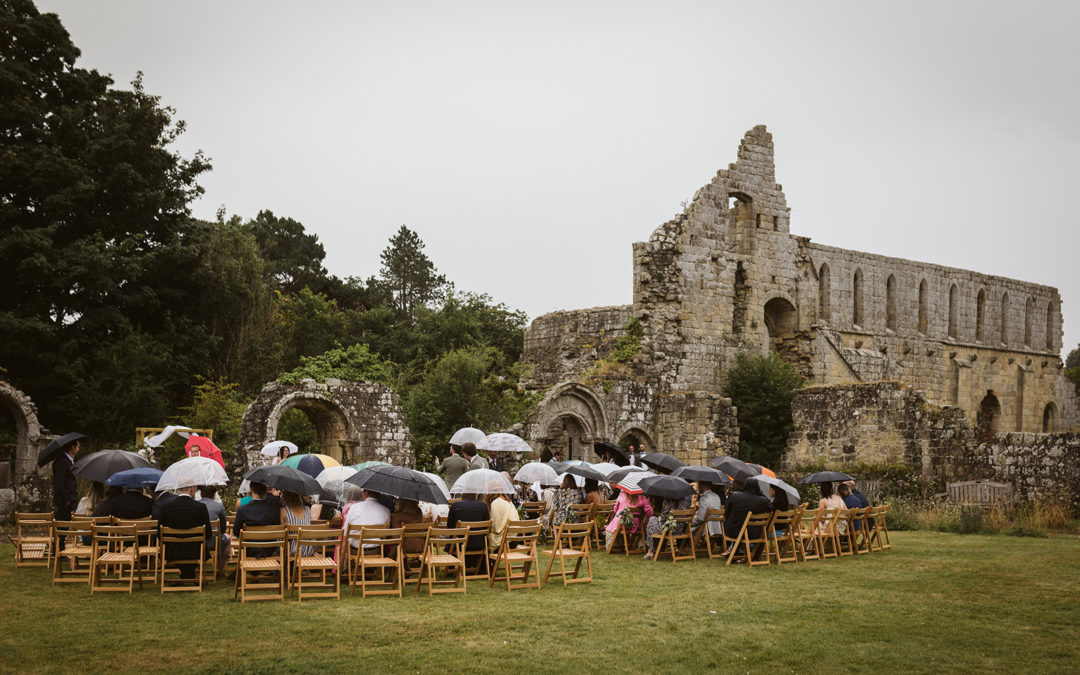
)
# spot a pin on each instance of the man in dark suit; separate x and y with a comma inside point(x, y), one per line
point(469, 510)
point(65, 491)
point(131, 504)
point(259, 511)
point(159, 503)
point(740, 504)
point(184, 513)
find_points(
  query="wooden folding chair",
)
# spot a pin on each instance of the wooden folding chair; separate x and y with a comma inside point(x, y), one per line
point(534, 510)
point(170, 579)
point(860, 533)
point(581, 512)
point(412, 533)
point(828, 538)
point(479, 528)
point(713, 516)
point(114, 548)
point(149, 547)
point(572, 541)
point(261, 555)
point(233, 554)
point(33, 539)
point(782, 542)
point(318, 571)
point(626, 537)
point(445, 550)
point(808, 533)
point(77, 553)
point(753, 544)
point(845, 527)
point(518, 548)
point(601, 515)
point(881, 528)
point(379, 552)
point(681, 536)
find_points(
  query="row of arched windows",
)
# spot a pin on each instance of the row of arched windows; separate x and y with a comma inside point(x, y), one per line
point(892, 314)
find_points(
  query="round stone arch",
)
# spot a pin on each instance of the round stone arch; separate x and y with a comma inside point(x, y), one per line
point(570, 414)
point(638, 434)
point(30, 436)
point(355, 421)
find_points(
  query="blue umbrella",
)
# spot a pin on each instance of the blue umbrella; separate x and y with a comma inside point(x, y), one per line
point(135, 478)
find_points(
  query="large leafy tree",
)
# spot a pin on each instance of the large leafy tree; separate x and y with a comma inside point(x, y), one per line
point(761, 387)
point(409, 275)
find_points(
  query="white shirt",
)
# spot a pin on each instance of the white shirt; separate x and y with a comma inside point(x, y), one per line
point(367, 512)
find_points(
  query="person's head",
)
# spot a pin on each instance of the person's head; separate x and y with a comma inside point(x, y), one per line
point(826, 490)
point(469, 450)
point(291, 499)
point(779, 499)
point(189, 491)
point(258, 490)
point(283, 452)
point(471, 497)
point(97, 491)
point(591, 485)
point(631, 448)
point(410, 506)
point(370, 494)
point(850, 484)
point(208, 491)
point(195, 451)
point(751, 488)
point(72, 449)
point(454, 449)
point(113, 490)
point(353, 493)
point(568, 481)
point(704, 486)
point(843, 490)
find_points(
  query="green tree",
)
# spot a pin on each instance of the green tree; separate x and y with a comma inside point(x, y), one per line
point(1072, 367)
point(294, 258)
point(761, 387)
point(409, 274)
point(345, 363)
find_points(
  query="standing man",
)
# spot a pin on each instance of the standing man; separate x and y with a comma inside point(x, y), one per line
point(475, 460)
point(452, 467)
point(65, 491)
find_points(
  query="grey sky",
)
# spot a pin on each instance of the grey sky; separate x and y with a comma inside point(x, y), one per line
point(531, 143)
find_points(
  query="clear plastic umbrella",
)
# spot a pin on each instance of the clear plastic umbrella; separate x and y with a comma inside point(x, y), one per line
point(504, 443)
point(482, 482)
point(272, 448)
point(192, 471)
point(467, 435)
point(605, 467)
point(338, 473)
point(537, 472)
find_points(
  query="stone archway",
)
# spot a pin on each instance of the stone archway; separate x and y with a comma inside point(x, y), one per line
point(637, 437)
point(570, 418)
point(355, 421)
point(988, 418)
point(30, 437)
point(780, 319)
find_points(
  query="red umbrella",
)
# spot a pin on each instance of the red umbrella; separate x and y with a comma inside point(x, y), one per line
point(206, 448)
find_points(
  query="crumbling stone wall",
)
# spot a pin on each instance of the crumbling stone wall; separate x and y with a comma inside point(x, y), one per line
point(1038, 465)
point(562, 345)
point(355, 421)
point(23, 486)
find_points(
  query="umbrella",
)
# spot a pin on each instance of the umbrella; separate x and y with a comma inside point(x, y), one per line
point(285, 478)
point(310, 463)
point(439, 482)
point(467, 435)
point(697, 473)
point(363, 465)
point(616, 476)
point(667, 487)
point(338, 473)
point(630, 483)
point(605, 468)
point(400, 482)
point(614, 452)
point(504, 443)
point(826, 477)
point(586, 472)
point(272, 448)
point(764, 482)
point(135, 478)
point(104, 463)
point(332, 495)
point(482, 482)
point(54, 448)
point(192, 471)
point(537, 472)
point(758, 469)
point(206, 448)
point(559, 467)
point(662, 461)
point(732, 465)
point(157, 440)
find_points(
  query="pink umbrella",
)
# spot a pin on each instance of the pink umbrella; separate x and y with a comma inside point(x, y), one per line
point(206, 448)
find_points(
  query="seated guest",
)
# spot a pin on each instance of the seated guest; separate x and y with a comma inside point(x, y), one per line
point(184, 513)
point(850, 501)
point(368, 511)
point(407, 511)
point(708, 498)
point(744, 500)
point(324, 510)
point(295, 512)
point(469, 510)
point(859, 497)
point(626, 501)
point(592, 492)
point(558, 501)
point(655, 524)
point(353, 495)
point(258, 512)
point(829, 500)
point(102, 507)
point(217, 512)
point(93, 497)
point(160, 500)
point(129, 504)
point(502, 512)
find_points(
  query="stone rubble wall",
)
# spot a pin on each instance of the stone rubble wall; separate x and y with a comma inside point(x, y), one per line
point(1038, 465)
point(561, 345)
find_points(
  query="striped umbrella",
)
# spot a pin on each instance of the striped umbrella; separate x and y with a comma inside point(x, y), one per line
point(631, 482)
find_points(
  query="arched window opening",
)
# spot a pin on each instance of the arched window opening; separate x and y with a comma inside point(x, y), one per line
point(954, 311)
point(824, 307)
point(1050, 317)
point(988, 419)
point(1029, 315)
point(890, 303)
point(1050, 418)
point(856, 298)
point(923, 313)
point(1004, 330)
point(980, 315)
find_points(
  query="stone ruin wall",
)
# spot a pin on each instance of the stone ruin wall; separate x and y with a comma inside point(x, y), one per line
point(562, 345)
point(885, 422)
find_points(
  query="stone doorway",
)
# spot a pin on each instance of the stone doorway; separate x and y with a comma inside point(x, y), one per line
point(568, 435)
point(988, 419)
point(1049, 418)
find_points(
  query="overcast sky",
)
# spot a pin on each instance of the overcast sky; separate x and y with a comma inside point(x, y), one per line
point(530, 144)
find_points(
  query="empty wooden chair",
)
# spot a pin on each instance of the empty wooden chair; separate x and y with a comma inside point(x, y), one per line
point(171, 577)
point(808, 533)
point(681, 537)
point(443, 550)
point(33, 539)
point(315, 569)
point(149, 547)
point(517, 557)
point(880, 533)
point(783, 545)
point(260, 565)
point(77, 554)
point(572, 541)
point(379, 555)
point(114, 558)
point(754, 538)
point(477, 559)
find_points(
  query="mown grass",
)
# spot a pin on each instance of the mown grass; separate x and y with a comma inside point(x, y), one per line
point(934, 602)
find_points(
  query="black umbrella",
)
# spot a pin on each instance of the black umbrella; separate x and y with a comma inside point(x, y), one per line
point(616, 476)
point(732, 466)
point(826, 477)
point(661, 461)
point(104, 463)
point(560, 467)
point(668, 487)
point(53, 449)
point(398, 481)
point(615, 454)
point(586, 472)
point(285, 478)
point(698, 473)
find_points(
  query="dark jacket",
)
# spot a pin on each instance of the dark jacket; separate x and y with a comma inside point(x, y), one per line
point(130, 505)
point(65, 491)
point(160, 503)
point(184, 513)
point(256, 512)
point(469, 511)
point(739, 505)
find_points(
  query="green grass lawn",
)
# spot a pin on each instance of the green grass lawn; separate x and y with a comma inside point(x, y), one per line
point(934, 602)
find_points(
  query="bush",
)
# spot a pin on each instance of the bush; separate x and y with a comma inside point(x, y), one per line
point(761, 387)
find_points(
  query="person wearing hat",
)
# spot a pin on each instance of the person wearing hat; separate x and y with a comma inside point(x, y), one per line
point(65, 490)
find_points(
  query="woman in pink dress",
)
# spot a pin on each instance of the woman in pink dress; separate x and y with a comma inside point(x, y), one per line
point(625, 501)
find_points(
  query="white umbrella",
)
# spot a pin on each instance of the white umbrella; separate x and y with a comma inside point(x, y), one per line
point(605, 467)
point(272, 448)
point(482, 482)
point(439, 482)
point(334, 473)
point(158, 439)
point(537, 472)
point(467, 435)
point(504, 443)
point(630, 483)
point(192, 471)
